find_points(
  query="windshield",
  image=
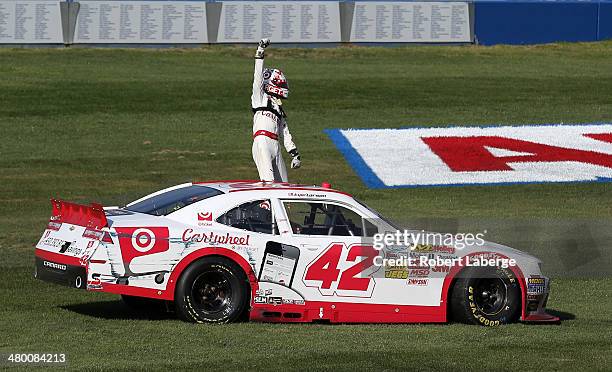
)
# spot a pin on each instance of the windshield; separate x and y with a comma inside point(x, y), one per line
point(383, 218)
point(173, 200)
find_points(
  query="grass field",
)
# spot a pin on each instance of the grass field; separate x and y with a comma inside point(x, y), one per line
point(111, 125)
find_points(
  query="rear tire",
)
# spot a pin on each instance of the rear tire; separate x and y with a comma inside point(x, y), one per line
point(488, 296)
point(212, 290)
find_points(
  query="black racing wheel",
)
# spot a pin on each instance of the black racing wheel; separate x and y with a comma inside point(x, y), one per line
point(212, 290)
point(487, 296)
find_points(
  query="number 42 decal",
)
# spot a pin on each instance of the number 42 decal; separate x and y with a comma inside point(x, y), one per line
point(338, 270)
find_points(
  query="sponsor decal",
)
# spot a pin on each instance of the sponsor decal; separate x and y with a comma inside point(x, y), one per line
point(396, 273)
point(274, 90)
point(212, 238)
point(141, 241)
point(534, 297)
point(205, 218)
point(53, 225)
point(93, 234)
point(417, 281)
point(83, 260)
point(68, 247)
point(306, 195)
point(410, 157)
point(262, 298)
point(53, 242)
point(536, 285)
point(433, 248)
point(54, 265)
point(275, 301)
point(269, 115)
point(419, 273)
point(95, 283)
point(440, 268)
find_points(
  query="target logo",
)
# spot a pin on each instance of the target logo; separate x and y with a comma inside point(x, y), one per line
point(143, 240)
point(140, 241)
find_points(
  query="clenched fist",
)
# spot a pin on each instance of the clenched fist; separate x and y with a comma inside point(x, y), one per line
point(263, 44)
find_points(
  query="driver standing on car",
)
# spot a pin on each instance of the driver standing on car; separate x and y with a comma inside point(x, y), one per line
point(270, 121)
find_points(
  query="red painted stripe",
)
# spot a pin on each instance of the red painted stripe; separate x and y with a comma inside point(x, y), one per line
point(57, 257)
point(266, 133)
point(346, 312)
point(605, 137)
point(136, 291)
point(225, 181)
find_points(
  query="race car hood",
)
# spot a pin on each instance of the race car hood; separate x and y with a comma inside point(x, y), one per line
point(510, 252)
point(529, 264)
point(526, 261)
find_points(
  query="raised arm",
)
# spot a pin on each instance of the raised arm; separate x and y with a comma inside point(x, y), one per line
point(257, 97)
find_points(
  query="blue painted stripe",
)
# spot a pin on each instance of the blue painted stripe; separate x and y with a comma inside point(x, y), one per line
point(355, 160)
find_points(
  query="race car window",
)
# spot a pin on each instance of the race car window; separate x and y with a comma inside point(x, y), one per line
point(173, 200)
point(253, 216)
point(327, 219)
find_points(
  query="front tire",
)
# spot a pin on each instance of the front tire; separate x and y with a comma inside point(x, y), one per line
point(212, 290)
point(488, 296)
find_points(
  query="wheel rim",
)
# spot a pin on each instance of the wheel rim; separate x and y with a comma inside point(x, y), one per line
point(491, 295)
point(212, 291)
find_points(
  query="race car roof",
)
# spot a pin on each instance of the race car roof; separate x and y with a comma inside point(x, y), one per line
point(228, 186)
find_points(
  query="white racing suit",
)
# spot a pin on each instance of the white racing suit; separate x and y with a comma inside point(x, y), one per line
point(269, 123)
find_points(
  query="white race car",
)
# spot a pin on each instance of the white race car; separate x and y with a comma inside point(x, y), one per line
point(221, 251)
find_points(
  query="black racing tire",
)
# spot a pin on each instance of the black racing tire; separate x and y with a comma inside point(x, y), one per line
point(212, 290)
point(488, 296)
point(143, 304)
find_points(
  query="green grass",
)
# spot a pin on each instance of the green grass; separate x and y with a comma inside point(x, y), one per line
point(111, 125)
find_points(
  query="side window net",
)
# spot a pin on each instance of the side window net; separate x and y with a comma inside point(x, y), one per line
point(253, 216)
point(326, 219)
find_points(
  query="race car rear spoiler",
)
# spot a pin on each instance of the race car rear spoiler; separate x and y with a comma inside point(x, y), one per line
point(92, 216)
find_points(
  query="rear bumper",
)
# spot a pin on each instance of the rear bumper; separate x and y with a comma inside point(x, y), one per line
point(60, 273)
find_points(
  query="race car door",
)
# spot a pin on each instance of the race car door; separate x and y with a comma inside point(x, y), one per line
point(336, 254)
